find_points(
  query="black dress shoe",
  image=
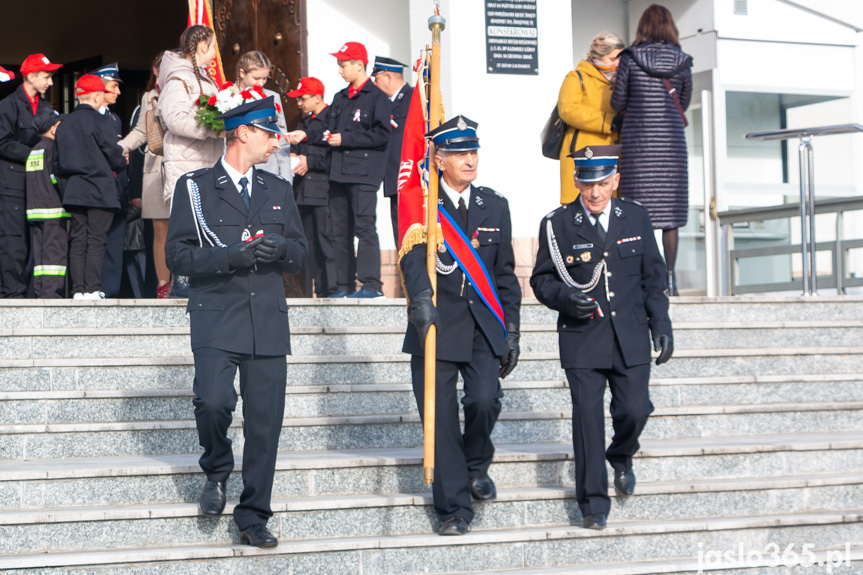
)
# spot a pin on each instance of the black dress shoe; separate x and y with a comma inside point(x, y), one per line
point(483, 488)
point(454, 526)
point(595, 521)
point(258, 536)
point(624, 482)
point(213, 498)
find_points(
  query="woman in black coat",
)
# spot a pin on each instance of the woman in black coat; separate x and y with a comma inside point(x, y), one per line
point(653, 162)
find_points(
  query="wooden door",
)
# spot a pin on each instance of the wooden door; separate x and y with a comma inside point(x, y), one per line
point(276, 28)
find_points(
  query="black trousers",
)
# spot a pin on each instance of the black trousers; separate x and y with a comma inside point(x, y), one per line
point(112, 265)
point(262, 386)
point(321, 263)
point(353, 212)
point(89, 235)
point(14, 238)
point(460, 457)
point(630, 408)
point(50, 241)
point(394, 216)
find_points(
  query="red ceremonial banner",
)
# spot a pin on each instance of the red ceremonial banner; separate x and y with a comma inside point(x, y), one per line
point(414, 146)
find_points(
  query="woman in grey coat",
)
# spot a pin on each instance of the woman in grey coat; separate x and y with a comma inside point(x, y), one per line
point(653, 162)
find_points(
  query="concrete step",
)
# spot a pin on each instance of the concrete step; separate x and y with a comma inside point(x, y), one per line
point(340, 516)
point(84, 342)
point(175, 372)
point(71, 406)
point(168, 479)
point(147, 437)
point(483, 550)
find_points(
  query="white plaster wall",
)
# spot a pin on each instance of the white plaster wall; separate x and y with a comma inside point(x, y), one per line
point(773, 20)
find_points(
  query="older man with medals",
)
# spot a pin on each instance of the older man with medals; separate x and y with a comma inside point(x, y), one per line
point(598, 265)
point(477, 319)
point(233, 231)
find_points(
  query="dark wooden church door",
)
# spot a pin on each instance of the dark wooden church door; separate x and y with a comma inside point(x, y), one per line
point(276, 28)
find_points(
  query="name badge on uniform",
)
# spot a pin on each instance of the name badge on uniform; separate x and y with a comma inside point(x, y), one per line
point(582, 246)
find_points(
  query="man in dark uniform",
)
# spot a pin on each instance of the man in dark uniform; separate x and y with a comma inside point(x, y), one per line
point(311, 189)
point(358, 130)
point(477, 316)
point(599, 266)
point(389, 77)
point(112, 266)
point(17, 138)
point(233, 231)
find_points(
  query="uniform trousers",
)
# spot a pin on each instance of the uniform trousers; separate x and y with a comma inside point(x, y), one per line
point(112, 265)
point(353, 212)
point(630, 408)
point(394, 216)
point(50, 241)
point(13, 246)
point(460, 457)
point(262, 386)
point(321, 263)
point(89, 234)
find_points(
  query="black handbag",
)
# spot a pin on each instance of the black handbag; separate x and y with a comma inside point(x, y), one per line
point(553, 132)
point(552, 135)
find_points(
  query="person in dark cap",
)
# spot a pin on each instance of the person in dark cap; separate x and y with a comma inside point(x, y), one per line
point(112, 266)
point(389, 77)
point(477, 318)
point(45, 213)
point(88, 157)
point(599, 267)
point(358, 131)
point(17, 138)
point(234, 230)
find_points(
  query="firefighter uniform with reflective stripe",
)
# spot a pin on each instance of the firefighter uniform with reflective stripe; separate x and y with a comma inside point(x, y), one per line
point(48, 221)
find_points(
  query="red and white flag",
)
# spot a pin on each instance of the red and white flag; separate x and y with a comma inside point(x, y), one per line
point(6, 75)
point(412, 169)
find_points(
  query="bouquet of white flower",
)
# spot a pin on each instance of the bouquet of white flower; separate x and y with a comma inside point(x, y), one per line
point(227, 98)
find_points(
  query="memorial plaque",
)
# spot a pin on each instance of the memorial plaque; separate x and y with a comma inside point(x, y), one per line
point(511, 37)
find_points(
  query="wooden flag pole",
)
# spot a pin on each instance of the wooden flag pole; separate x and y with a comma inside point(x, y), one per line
point(436, 25)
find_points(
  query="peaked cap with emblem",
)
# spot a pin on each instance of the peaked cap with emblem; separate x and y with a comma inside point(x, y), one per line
point(383, 64)
point(259, 113)
point(595, 163)
point(108, 72)
point(455, 135)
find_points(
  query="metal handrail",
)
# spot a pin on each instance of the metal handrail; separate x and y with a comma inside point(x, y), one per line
point(788, 210)
point(807, 188)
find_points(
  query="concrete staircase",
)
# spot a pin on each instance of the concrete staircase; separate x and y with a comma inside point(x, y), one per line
point(756, 442)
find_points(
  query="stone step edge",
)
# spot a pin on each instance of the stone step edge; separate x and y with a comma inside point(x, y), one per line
point(677, 565)
point(405, 358)
point(367, 501)
point(400, 329)
point(413, 417)
point(514, 385)
point(72, 468)
point(484, 537)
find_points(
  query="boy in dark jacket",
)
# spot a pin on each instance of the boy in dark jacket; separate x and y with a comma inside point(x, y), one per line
point(45, 212)
point(89, 155)
point(311, 186)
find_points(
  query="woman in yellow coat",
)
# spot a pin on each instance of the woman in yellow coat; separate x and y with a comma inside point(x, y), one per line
point(584, 104)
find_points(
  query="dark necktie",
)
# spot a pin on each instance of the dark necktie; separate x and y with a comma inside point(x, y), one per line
point(244, 192)
point(599, 229)
point(462, 211)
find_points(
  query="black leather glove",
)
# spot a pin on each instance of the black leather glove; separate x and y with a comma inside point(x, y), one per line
point(581, 306)
point(242, 255)
point(508, 363)
point(272, 249)
point(616, 123)
point(666, 344)
point(422, 313)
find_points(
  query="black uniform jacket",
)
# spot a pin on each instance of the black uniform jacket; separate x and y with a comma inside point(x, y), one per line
point(241, 311)
point(88, 156)
point(637, 283)
point(399, 116)
point(460, 307)
point(42, 192)
point(311, 188)
point(364, 123)
point(17, 137)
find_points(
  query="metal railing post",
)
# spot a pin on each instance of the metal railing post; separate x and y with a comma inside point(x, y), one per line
point(804, 207)
point(813, 269)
